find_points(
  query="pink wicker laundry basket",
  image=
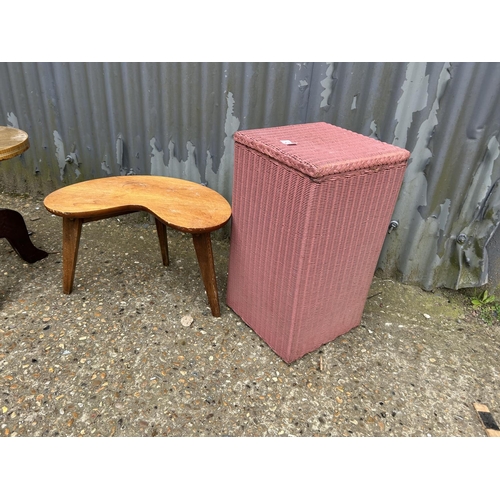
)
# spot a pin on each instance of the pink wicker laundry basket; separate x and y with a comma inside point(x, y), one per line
point(311, 207)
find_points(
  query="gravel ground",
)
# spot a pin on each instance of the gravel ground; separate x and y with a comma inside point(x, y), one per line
point(115, 359)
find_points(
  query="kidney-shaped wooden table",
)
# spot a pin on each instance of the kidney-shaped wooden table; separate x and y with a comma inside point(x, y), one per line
point(177, 203)
point(14, 142)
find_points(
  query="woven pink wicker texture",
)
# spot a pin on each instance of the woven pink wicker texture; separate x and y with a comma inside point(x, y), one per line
point(308, 224)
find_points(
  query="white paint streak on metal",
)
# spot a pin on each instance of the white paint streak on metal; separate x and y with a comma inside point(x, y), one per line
point(421, 154)
point(373, 128)
point(12, 119)
point(483, 201)
point(184, 169)
point(354, 101)
point(327, 84)
point(175, 167)
point(444, 213)
point(413, 99)
point(303, 84)
point(60, 155)
point(432, 227)
point(414, 189)
point(209, 162)
point(482, 180)
point(415, 182)
point(158, 166)
point(225, 170)
point(104, 165)
point(119, 151)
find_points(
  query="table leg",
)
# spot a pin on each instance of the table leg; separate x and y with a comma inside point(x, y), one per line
point(72, 230)
point(13, 228)
point(203, 247)
point(161, 229)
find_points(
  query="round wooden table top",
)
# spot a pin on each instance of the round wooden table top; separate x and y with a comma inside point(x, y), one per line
point(13, 142)
point(179, 203)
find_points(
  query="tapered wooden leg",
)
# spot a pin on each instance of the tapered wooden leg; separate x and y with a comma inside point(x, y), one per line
point(203, 247)
point(72, 230)
point(161, 229)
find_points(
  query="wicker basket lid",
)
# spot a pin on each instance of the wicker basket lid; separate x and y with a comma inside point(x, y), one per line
point(320, 149)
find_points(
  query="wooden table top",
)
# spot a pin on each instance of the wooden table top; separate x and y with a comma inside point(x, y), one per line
point(13, 142)
point(181, 204)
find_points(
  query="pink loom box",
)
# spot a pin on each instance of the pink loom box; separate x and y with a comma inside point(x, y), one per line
point(311, 208)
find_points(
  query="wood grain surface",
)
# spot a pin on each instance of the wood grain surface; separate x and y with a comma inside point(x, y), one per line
point(13, 142)
point(180, 204)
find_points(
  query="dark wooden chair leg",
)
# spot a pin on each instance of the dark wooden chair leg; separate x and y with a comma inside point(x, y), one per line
point(72, 230)
point(203, 247)
point(14, 230)
point(161, 229)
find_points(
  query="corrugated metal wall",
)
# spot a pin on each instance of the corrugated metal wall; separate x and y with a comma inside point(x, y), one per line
point(177, 119)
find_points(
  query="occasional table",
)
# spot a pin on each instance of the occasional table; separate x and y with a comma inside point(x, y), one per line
point(179, 204)
point(13, 142)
